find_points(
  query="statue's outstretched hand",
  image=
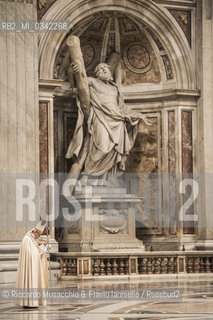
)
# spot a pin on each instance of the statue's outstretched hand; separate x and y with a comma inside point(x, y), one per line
point(74, 68)
point(146, 120)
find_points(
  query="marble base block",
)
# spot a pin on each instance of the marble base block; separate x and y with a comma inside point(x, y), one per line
point(107, 222)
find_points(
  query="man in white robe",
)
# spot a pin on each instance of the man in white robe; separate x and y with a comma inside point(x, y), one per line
point(32, 267)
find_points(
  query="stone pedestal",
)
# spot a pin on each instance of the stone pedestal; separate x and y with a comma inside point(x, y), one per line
point(107, 222)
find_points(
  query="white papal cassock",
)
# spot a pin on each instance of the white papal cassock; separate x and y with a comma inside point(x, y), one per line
point(32, 269)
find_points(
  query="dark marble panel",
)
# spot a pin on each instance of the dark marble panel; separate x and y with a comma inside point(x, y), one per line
point(183, 17)
point(187, 159)
point(187, 165)
point(43, 136)
point(171, 142)
point(172, 209)
point(43, 154)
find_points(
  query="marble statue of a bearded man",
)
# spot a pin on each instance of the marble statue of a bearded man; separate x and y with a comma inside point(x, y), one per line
point(111, 128)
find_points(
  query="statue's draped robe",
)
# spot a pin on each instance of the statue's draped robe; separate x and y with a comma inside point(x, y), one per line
point(112, 130)
point(32, 270)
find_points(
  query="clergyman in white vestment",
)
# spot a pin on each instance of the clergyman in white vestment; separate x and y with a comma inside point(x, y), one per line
point(32, 266)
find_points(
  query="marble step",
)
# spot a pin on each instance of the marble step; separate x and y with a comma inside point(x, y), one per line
point(12, 266)
point(8, 256)
point(8, 247)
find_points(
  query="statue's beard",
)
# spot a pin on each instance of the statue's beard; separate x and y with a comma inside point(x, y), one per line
point(105, 76)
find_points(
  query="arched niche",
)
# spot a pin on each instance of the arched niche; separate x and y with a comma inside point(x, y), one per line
point(151, 15)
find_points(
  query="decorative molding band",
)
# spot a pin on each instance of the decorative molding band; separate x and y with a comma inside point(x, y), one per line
point(50, 83)
point(20, 1)
point(43, 139)
point(163, 95)
point(180, 3)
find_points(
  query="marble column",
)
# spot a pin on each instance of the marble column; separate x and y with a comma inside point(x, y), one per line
point(19, 131)
point(204, 67)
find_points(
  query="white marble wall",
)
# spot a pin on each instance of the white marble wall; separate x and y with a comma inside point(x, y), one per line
point(19, 130)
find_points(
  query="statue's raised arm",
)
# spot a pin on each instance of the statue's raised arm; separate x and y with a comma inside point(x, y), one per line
point(73, 44)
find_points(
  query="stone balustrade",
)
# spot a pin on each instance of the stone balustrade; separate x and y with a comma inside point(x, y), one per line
point(121, 265)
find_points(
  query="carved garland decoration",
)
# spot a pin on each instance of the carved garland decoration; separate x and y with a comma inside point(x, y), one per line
point(114, 221)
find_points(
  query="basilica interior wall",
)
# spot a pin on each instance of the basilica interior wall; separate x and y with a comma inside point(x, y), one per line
point(203, 39)
point(166, 58)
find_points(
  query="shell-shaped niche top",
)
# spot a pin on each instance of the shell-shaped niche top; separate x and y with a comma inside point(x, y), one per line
point(143, 57)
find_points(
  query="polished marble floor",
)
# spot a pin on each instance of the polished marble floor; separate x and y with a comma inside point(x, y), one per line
point(196, 304)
